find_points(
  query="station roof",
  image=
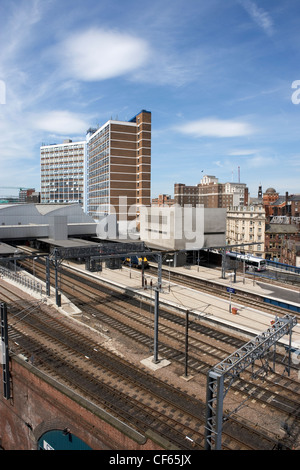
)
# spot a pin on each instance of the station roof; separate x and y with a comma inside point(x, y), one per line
point(69, 243)
point(29, 221)
point(7, 249)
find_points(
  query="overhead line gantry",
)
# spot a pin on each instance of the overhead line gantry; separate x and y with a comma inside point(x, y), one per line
point(224, 373)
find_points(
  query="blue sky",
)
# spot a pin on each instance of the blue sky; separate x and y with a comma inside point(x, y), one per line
point(217, 75)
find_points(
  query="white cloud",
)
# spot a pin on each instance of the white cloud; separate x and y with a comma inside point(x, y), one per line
point(61, 122)
point(96, 54)
point(242, 152)
point(216, 128)
point(259, 16)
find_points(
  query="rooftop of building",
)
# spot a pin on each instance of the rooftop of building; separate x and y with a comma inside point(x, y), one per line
point(38, 213)
point(282, 199)
point(270, 191)
point(134, 117)
point(281, 228)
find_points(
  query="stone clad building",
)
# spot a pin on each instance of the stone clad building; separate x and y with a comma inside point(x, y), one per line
point(247, 225)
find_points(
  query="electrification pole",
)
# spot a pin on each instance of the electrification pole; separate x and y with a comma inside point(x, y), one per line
point(5, 353)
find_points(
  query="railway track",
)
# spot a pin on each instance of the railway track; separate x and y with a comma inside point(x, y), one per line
point(172, 334)
point(87, 299)
point(111, 382)
point(94, 372)
point(93, 299)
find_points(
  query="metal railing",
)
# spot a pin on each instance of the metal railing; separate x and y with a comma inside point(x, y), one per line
point(22, 279)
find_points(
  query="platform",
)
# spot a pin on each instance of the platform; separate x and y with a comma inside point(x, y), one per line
point(200, 304)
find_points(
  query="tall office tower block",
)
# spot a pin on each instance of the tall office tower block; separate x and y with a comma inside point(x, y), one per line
point(62, 172)
point(119, 167)
point(108, 173)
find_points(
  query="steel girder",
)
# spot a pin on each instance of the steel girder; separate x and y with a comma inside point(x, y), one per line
point(231, 367)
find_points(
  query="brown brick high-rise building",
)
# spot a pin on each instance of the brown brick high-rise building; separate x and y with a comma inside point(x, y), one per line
point(119, 166)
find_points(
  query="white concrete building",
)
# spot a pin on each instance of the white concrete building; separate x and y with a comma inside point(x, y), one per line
point(63, 173)
point(182, 228)
point(237, 190)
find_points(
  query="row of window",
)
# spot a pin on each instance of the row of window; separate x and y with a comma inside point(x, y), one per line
point(49, 166)
point(66, 201)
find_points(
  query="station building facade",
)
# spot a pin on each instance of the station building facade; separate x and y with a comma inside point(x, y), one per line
point(176, 228)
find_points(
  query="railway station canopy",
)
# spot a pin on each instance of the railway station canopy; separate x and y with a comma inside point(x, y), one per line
point(54, 221)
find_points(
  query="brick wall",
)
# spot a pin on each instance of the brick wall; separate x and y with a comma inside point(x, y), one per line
point(39, 404)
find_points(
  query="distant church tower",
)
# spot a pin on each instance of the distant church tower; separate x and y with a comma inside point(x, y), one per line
point(259, 192)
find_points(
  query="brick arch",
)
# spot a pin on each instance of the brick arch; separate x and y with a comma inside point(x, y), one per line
point(49, 425)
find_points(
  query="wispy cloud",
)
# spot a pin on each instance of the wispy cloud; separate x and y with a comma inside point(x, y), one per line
point(260, 161)
point(259, 16)
point(260, 93)
point(216, 128)
point(18, 28)
point(242, 152)
point(98, 54)
point(294, 161)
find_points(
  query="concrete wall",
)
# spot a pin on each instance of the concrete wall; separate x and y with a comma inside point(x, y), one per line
point(58, 227)
point(182, 228)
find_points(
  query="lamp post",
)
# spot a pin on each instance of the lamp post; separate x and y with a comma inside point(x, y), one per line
point(169, 261)
point(16, 252)
point(186, 342)
point(230, 275)
point(33, 269)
